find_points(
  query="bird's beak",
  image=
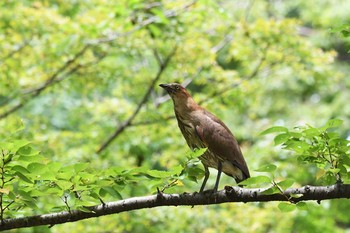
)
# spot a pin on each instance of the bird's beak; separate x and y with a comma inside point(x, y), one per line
point(167, 87)
point(164, 85)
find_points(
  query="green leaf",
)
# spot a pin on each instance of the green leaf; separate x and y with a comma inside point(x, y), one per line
point(31, 158)
point(78, 167)
point(54, 166)
point(114, 171)
point(23, 177)
point(161, 15)
point(177, 169)
point(64, 185)
point(271, 190)
point(274, 129)
point(311, 132)
point(345, 33)
point(37, 168)
point(284, 184)
point(66, 175)
point(286, 206)
point(195, 171)
point(111, 191)
point(82, 207)
point(256, 180)
point(17, 144)
point(26, 196)
point(297, 146)
point(27, 151)
point(48, 175)
point(333, 123)
point(281, 138)
point(196, 153)
point(334, 170)
point(20, 169)
point(267, 168)
point(156, 31)
point(31, 204)
point(302, 205)
point(159, 174)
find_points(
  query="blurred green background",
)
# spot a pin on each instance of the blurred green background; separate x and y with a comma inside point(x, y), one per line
point(74, 71)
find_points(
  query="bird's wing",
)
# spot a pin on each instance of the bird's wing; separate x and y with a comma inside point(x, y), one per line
point(220, 141)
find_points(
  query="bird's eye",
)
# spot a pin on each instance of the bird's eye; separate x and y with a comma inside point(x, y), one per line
point(177, 87)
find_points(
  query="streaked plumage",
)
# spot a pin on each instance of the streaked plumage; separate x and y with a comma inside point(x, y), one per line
point(202, 129)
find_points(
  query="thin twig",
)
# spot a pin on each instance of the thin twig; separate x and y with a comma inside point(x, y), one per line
point(113, 36)
point(54, 78)
point(13, 52)
point(49, 81)
point(94, 42)
point(213, 95)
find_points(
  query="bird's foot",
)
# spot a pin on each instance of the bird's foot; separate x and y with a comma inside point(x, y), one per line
point(209, 191)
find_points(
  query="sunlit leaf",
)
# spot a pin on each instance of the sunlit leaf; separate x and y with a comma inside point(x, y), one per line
point(111, 191)
point(23, 177)
point(333, 123)
point(286, 206)
point(281, 138)
point(78, 167)
point(196, 153)
point(302, 205)
point(267, 168)
point(271, 190)
point(4, 190)
point(274, 129)
point(287, 183)
point(256, 180)
point(37, 168)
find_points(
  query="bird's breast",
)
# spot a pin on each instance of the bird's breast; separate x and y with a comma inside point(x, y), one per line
point(188, 130)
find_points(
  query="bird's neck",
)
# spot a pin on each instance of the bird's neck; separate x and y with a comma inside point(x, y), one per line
point(185, 106)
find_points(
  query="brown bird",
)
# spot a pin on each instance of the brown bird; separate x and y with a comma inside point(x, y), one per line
point(202, 129)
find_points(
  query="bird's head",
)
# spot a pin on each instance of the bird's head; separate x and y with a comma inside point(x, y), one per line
point(176, 91)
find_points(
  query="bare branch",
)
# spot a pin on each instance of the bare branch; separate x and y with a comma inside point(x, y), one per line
point(162, 66)
point(32, 93)
point(53, 77)
point(13, 52)
point(229, 194)
point(227, 39)
point(95, 42)
point(168, 14)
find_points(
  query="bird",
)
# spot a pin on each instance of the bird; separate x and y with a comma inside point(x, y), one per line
point(202, 129)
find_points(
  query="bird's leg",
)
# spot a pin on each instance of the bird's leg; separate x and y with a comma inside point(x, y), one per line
point(218, 176)
point(206, 176)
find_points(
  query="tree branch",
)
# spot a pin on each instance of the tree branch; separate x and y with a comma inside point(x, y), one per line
point(229, 194)
point(115, 35)
point(89, 43)
point(253, 73)
point(52, 79)
point(13, 52)
point(162, 66)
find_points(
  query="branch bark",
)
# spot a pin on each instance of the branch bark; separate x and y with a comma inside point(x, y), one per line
point(229, 194)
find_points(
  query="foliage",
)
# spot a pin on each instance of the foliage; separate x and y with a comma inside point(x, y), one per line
point(27, 177)
point(319, 146)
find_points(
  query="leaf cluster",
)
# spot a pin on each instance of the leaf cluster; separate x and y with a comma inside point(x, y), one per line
point(320, 146)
